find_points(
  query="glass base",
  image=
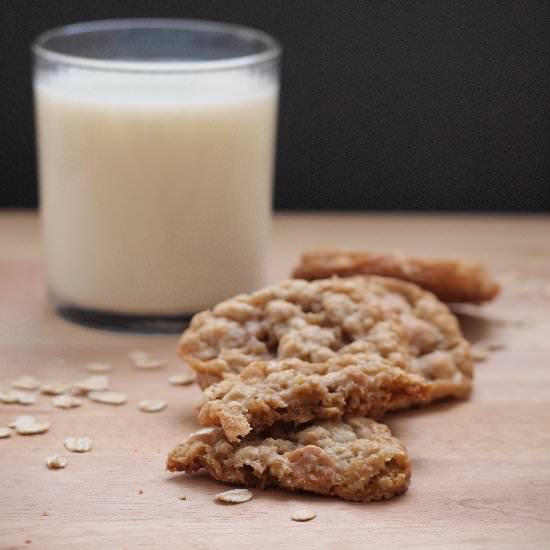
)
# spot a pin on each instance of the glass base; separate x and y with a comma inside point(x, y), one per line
point(105, 320)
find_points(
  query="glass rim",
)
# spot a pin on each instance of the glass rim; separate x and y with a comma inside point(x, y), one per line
point(271, 52)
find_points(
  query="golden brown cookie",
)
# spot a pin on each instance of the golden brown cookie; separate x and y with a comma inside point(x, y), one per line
point(356, 459)
point(295, 391)
point(320, 320)
point(449, 280)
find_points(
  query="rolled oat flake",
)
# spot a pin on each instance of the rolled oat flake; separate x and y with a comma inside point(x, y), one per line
point(234, 496)
point(78, 444)
point(303, 515)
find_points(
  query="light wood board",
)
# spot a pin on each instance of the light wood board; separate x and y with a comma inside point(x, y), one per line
point(481, 468)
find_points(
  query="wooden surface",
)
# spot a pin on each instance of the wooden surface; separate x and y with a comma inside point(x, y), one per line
point(481, 468)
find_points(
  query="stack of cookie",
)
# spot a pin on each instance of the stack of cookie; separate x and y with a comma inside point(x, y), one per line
point(296, 375)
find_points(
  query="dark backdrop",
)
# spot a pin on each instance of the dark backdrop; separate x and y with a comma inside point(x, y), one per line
point(386, 104)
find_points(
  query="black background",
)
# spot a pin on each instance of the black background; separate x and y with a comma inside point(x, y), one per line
point(386, 104)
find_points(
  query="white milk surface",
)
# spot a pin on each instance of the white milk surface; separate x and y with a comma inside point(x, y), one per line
point(155, 190)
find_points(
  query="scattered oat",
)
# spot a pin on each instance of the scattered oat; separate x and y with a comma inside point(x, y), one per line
point(152, 405)
point(4, 432)
point(26, 383)
point(479, 353)
point(55, 388)
point(56, 462)
point(44, 513)
point(29, 425)
point(93, 383)
point(183, 497)
point(99, 367)
point(203, 431)
point(512, 323)
point(28, 541)
point(234, 496)
point(149, 363)
point(66, 402)
point(182, 379)
point(8, 396)
point(140, 492)
point(78, 444)
point(137, 355)
point(303, 515)
point(25, 398)
point(495, 346)
point(108, 397)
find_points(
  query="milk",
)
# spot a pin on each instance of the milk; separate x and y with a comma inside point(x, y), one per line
point(155, 189)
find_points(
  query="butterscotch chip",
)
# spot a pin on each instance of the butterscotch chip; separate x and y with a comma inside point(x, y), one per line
point(450, 280)
point(26, 383)
point(356, 459)
point(292, 390)
point(108, 397)
point(78, 444)
point(234, 496)
point(29, 425)
point(303, 515)
point(56, 462)
point(182, 379)
point(55, 388)
point(66, 402)
point(152, 405)
point(319, 320)
point(5, 432)
point(99, 367)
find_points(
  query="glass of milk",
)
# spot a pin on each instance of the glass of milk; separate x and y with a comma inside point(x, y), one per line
point(156, 145)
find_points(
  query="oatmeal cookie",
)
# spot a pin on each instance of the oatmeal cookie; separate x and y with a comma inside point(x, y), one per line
point(293, 390)
point(450, 280)
point(356, 459)
point(319, 320)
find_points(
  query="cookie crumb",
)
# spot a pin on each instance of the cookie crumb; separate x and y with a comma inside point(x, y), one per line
point(56, 462)
point(140, 492)
point(182, 498)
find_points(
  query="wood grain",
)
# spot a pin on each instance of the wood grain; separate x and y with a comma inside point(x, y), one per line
point(481, 475)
